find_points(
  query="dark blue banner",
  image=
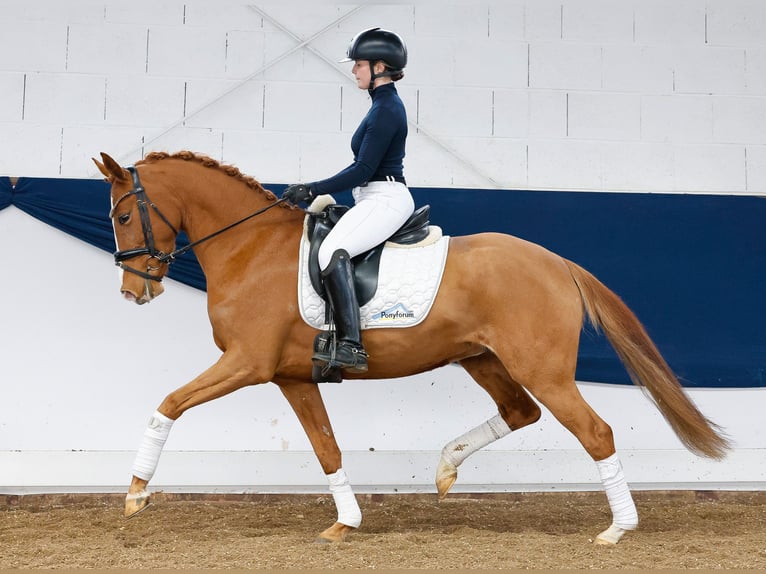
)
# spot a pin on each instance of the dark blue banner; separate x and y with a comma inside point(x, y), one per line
point(692, 267)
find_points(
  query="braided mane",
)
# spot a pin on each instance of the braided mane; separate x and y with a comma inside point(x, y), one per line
point(208, 161)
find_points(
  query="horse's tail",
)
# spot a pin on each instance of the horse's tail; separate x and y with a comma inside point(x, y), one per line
point(646, 366)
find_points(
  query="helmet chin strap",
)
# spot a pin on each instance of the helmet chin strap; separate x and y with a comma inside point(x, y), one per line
point(374, 76)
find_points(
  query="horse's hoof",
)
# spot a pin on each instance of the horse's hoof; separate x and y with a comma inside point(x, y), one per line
point(610, 536)
point(336, 533)
point(446, 475)
point(136, 502)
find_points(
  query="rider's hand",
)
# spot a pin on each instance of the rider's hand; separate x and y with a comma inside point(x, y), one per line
point(297, 192)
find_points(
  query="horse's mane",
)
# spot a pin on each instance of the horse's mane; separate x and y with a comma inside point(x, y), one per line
point(207, 161)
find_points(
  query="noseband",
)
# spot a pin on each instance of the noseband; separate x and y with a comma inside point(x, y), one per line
point(144, 203)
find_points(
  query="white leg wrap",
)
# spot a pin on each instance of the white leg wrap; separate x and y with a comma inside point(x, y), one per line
point(624, 514)
point(151, 446)
point(349, 512)
point(456, 451)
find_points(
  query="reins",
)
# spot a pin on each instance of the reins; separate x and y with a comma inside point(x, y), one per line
point(149, 249)
point(170, 257)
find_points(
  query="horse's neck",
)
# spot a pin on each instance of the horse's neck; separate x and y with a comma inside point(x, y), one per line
point(211, 206)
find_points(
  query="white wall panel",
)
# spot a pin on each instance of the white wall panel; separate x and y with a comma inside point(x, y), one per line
point(318, 112)
point(565, 66)
point(631, 68)
point(736, 22)
point(356, 103)
point(221, 15)
point(140, 100)
point(323, 155)
point(630, 165)
point(398, 16)
point(477, 70)
point(431, 61)
point(74, 11)
point(507, 20)
point(143, 12)
point(206, 141)
point(547, 114)
point(96, 48)
point(565, 164)
point(687, 118)
point(709, 70)
point(710, 167)
point(597, 116)
point(51, 98)
point(81, 143)
point(225, 104)
point(502, 159)
point(441, 18)
point(738, 119)
point(755, 71)
point(267, 156)
point(186, 52)
point(429, 165)
point(456, 112)
point(756, 168)
point(542, 20)
point(511, 113)
point(36, 150)
point(33, 46)
point(492, 63)
point(662, 23)
point(11, 96)
point(597, 21)
point(245, 51)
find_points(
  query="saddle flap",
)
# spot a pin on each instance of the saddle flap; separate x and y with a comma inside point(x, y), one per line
point(366, 265)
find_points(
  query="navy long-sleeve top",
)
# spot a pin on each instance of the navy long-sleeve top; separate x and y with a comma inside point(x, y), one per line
point(378, 144)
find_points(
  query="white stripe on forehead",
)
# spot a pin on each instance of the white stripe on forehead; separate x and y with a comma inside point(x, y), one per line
point(120, 271)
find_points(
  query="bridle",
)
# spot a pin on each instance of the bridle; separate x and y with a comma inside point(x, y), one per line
point(144, 203)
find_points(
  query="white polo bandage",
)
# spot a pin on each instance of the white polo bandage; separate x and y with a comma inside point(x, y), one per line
point(456, 451)
point(624, 513)
point(349, 512)
point(149, 452)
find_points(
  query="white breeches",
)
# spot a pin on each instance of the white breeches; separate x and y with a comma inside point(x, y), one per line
point(380, 209)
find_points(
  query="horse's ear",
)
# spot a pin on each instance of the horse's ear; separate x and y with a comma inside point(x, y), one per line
point(112, 170)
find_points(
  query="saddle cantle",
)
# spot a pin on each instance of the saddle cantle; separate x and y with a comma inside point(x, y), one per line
point(366, 265)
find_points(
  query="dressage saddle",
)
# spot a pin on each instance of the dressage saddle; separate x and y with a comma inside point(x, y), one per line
point(366, 265)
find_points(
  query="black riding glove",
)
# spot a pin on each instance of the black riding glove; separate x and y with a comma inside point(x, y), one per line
point(297, 192)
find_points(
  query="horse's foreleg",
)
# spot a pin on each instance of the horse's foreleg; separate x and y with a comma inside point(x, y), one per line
point(308, 405)
point(516, 410)
point(225, 376)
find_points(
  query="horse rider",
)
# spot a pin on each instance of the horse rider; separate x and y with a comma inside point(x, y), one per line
point(382, 201)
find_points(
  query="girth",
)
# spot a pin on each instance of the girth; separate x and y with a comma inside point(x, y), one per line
point(366, 265)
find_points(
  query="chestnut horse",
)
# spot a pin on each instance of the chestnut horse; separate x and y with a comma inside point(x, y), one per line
point(507, 310)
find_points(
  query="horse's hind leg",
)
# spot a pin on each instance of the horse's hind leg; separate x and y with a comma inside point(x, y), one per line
point(308, 405)
point(515, 407)
point(569, 407)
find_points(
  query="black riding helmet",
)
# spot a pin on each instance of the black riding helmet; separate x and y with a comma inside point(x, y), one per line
point(377, 44)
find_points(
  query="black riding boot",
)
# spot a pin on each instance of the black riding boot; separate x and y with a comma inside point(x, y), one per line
point(338, 281)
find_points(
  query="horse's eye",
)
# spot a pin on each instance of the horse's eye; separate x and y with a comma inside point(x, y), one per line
point(124, 218)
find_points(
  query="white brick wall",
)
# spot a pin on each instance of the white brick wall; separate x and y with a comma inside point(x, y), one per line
point(642, 95)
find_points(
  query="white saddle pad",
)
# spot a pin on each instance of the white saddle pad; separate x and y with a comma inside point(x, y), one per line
point(408, 281)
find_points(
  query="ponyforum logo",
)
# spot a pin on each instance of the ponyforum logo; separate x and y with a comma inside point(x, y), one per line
point(398, 311)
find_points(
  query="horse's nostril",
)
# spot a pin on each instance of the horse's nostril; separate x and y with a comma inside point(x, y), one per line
point(129, 296)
